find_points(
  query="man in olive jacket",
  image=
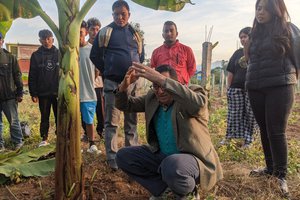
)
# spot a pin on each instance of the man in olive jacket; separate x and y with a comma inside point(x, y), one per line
point(11, 92)
point(179, 154)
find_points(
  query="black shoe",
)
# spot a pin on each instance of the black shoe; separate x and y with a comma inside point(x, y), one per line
point(284, 188)
point(260, 172)
point(101, 134)
point(113, 165)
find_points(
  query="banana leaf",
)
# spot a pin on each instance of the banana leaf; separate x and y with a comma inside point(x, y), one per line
point(26, 164)
point(13, 9)
point(38, 168)
point(169, 5)
point(26, 157)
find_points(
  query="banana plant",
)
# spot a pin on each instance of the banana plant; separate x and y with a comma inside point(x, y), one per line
point(68, 170)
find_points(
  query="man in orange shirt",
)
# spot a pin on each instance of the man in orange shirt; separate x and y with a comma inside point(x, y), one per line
point(175, 54)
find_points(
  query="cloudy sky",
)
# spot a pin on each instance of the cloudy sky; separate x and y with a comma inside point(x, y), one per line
point(226, 17)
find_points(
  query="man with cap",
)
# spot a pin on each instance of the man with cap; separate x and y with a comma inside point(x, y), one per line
point(43, 80)
point(11, 92)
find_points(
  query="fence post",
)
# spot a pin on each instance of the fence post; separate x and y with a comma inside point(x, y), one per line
point(222, 82)
point(207, 48)
point(212, 84)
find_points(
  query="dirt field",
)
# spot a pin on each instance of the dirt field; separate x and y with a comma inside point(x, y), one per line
point(117, 186)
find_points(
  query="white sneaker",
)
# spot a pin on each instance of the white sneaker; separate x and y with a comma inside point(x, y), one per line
point(94, 149)
point(224, 142)
point(43, 143)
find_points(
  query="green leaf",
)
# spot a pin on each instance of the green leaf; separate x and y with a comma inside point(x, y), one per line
point(29, 156)
point(169, 5)
point(26, 164)
point(13, 9)
point(39, 168)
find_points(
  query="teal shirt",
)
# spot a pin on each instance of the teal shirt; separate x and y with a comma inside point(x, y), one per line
point(164, 130)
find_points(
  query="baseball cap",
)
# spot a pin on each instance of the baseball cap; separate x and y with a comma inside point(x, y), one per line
point(45, 33)
point(1, 36)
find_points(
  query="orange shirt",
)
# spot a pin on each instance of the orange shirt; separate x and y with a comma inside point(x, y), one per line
point(179, 56)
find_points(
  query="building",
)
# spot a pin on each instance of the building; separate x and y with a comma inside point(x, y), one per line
point(23, 53)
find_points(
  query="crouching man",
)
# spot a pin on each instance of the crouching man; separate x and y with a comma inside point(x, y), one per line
point(179, 154)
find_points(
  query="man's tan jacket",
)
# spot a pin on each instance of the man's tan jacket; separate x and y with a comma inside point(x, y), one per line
point(189, 119)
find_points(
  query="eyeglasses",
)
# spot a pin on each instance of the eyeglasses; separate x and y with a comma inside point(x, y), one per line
point(123, 15)
point(155, 87)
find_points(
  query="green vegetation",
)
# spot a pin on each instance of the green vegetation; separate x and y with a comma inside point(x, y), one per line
point(237, 162)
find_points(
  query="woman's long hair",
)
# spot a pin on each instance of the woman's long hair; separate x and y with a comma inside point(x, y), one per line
point(277, 29)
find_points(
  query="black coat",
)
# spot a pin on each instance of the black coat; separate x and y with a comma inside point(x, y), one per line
point(268, 67)
point(44, 72)
point(11, 84)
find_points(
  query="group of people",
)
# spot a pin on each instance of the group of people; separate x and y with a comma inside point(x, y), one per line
point(179, 154)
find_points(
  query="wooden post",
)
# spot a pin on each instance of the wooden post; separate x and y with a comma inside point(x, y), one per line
point(212, 84)
point(222, 82)
point(207, 48)
point(206, 64)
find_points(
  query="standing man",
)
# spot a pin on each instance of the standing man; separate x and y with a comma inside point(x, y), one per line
point(94, 26)
point(175, 54)
point(88, 98)
point(43, 80)
point(115, 48)
point(179, 154)
point(11, 92)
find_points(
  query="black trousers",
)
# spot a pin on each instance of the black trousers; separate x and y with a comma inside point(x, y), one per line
point(45, 103)
point(271, 108)
point(100, 110)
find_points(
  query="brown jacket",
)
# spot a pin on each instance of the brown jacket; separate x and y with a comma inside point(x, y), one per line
point(189, 119)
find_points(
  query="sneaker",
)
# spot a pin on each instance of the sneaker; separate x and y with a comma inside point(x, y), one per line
point(84, 138)
point(19, 146)
point(224, 142)
point(246, 146)
point(284, 187)
point(43, 143)
point(260, 172)
point(113, 165)
point(94, 149)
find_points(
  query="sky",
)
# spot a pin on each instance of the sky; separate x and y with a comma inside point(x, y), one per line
point(224, 17)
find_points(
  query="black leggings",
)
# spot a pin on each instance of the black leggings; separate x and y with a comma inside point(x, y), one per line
point(271, 108)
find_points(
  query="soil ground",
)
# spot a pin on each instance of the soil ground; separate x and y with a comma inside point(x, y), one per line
point(117, 186)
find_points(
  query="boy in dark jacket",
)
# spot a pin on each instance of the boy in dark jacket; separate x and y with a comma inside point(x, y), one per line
point(43, 80)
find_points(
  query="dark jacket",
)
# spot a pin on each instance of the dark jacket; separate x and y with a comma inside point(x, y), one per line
point(268, 67)
point(11, 84)
point(189, 120)
point(44, 72)
point(114, 59)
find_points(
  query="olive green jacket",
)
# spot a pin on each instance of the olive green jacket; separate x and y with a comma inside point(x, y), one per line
point(189, 119)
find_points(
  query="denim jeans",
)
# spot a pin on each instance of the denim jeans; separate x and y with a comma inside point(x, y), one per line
point(112, 120)
point(10, 110)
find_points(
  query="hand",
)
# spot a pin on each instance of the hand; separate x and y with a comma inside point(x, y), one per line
point(129, 78)
point(19, 99)
point(148, 73)
point(34, 99)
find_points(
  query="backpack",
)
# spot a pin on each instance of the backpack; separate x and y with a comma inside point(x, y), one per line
point(105, 33)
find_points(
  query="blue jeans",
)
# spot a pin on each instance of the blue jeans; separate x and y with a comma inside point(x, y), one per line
point(112, 120)
point(10, 110)
point(156, 171)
